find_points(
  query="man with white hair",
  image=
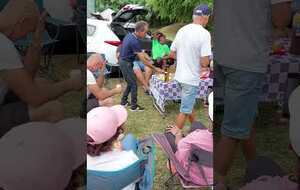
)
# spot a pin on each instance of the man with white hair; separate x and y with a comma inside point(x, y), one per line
point(22, 97)
point(97, 95)
point(191, 48)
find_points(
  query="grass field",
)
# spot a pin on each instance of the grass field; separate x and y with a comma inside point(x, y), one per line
point(141, 124)
point(272, 140)
point(272, 134)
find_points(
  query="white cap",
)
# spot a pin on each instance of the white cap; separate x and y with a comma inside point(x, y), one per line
point(42, 155)
point(294, 108)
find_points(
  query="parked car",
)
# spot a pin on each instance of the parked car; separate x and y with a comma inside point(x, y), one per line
point(104, 36)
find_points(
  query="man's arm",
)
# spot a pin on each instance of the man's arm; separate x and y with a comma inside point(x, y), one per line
point(102, 93)
point(281, 13)
point(22, 83)
point(32, 58)
point(100, 79)
point(172, 55)
point(205, 53)
point(204, 62)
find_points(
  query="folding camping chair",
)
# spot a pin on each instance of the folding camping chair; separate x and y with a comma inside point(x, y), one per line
point(199, 156)
point(140, 172)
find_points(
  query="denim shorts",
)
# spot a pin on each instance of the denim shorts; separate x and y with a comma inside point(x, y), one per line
point(240, 92)
point(138, 65)
point(188, 98)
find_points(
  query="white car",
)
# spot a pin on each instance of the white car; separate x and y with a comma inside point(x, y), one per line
point(103, 36)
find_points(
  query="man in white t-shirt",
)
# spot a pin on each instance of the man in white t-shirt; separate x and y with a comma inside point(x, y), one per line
point(191, 48)
point(22, 97)
point(97, 95)
point(242, 30)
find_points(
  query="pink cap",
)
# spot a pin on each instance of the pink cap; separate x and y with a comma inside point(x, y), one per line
point(103, 122)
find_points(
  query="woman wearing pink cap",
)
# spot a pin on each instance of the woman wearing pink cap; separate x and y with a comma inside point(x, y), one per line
point(106, 151)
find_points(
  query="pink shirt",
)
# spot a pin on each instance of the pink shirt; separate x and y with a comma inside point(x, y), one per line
point(274, 183)
point(204, 140)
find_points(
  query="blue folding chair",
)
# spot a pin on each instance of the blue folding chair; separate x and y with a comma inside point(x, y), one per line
point(141, 172)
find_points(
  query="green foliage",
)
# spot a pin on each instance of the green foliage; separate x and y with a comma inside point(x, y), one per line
point(162, 10)
point(116, 4)
point(176, 10)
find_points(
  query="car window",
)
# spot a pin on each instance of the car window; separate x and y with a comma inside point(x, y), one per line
point(91, 30)
point(126, 16)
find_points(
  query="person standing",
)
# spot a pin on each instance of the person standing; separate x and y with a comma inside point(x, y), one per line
point(131, 49)
point(242, 30)
point(191, 48)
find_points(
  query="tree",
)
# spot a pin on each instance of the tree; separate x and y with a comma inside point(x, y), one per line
point(116, 4)
point(163, 11)
point(175, 10)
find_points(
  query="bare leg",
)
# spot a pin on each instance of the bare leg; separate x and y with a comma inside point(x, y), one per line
point(140, 76)
point(50, 112)
point(248, 146)
point(224, 155)
point(148, 74)
point(181, 120)
point(192, 117)
point(108, 102)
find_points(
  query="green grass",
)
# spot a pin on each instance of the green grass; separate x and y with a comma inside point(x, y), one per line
point(141, 124)
point(272, 135)
point(272, 140)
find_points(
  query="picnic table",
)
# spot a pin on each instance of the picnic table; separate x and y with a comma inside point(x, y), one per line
point(280, 67)
point(162, 91)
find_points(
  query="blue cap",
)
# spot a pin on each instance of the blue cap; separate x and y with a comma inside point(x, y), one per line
point(202, 10)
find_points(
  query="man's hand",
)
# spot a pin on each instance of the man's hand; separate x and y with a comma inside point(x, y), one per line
point(118, 89)
point(204, 73)
point(159, 70)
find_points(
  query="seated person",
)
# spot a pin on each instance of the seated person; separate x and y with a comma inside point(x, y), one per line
point(159, 47)
point(106, 151)
point(23, 97)
point(182, 146)
point(97, 95)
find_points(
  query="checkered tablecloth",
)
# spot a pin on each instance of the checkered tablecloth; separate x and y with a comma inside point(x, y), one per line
point(277, 75)
point(166, 91)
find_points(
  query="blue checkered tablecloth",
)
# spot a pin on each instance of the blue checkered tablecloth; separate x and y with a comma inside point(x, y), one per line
point(277, 75)
point(166, 91)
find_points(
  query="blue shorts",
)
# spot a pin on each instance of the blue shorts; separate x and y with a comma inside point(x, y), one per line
point(241, 93)
point(138, 65)
point(188, 98)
